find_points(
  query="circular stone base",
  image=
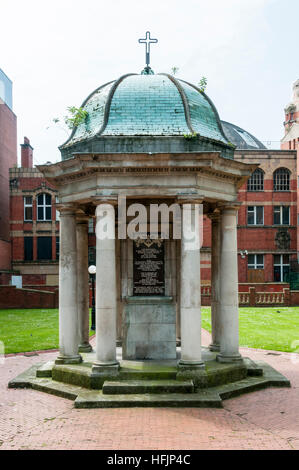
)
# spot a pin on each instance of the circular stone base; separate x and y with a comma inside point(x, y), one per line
point(69, 360)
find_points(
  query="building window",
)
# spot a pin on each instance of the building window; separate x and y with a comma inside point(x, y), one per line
point(57, 247)
point(256, 181)
point(91, 255)
point(28, 249)
point(44, 248)
point(90, 226)
point(255, 261)
point(28, 212)
point(57, 211)
point(281, 268)
point(44, 207)
point(255, 215)
point(282, 180)
point(281, 215)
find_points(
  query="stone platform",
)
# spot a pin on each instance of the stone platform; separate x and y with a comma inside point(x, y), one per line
point(150, 383)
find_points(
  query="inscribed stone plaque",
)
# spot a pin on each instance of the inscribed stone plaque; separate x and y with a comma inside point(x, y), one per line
point(148, 268)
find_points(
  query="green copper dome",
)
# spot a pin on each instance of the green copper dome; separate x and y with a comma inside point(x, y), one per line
point(148, 105)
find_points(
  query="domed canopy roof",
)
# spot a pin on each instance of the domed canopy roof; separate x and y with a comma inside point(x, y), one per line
point(148, 105)
point(242, 139)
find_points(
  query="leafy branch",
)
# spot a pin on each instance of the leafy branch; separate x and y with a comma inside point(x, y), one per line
point(203, 84)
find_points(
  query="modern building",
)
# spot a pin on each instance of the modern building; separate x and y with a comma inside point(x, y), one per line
point(8, 159)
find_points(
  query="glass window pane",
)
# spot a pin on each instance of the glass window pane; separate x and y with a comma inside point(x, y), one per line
point(260, 215)
point(277, 259)
point(250, 259)
point(28, 213)
point(260, 260)
point(286, 270)
point(276, 215)
point(40, 213)
point(277, 274)
point(40, 200)
point(48, 199)
point(286, 215)
point(286, 259)
point(48, 213)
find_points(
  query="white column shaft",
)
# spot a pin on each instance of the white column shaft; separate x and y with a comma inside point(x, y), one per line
point(190, 297)
point(83, 284)
point(215, 281)
point(68, 312)
point(229, 314)
point(106, 295)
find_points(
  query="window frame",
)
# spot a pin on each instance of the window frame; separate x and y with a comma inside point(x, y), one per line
point(44, 206)
point(281, 208)
point(256, 181)
point(256, 265)
point(281, 265)
point(278, 185)
point(26, 206)
point(254, 212)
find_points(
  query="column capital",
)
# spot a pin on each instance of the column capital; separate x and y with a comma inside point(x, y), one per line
point(67, 209)
point(82, 219)
point(215, 216)
point(112, 200)
point(189, 199)
point(226, 206)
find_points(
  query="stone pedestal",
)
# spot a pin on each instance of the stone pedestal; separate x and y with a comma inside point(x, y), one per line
point(149, 328)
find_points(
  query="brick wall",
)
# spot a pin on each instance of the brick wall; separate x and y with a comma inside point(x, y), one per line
point(11, 297)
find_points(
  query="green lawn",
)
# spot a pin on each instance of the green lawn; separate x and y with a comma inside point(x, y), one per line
point(29, 330)
point(263, 328)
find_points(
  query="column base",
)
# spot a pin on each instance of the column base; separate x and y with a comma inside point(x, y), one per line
point(85, 348)
point(226, 359)
point(69, 359)
point(214, 347)
point(190, 365)
point(105, 368)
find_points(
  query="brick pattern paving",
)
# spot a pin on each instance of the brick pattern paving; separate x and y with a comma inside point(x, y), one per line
point(267, 419)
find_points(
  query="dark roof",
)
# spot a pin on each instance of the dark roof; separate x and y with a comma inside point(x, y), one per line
point(241, 138)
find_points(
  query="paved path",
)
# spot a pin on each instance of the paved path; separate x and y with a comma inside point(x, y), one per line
point(267, 419)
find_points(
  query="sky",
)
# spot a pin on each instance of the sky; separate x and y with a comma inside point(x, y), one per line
point(57, 52)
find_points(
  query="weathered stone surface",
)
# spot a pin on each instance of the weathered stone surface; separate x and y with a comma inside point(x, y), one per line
point(147, 386)
point(149, 328)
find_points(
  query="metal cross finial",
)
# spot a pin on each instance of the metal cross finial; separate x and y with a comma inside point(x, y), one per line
point(147, 41)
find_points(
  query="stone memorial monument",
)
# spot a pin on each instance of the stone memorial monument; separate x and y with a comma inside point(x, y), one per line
point(148, 140)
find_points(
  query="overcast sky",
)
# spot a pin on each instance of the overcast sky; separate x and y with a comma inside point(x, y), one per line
point(57, 52)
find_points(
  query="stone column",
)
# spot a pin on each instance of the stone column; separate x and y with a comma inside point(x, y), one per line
point(190, 293)
point(83, 283)
point(229, 314)
point(215, 279)
point(106, 291)
point(68, 312)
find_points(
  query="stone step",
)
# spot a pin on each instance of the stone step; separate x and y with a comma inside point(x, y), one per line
point(202, 399)
point(130, 387)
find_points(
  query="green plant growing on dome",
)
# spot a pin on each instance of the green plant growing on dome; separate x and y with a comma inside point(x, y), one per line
point(75, 117)
point(174, 70)
point(203, 84)
point(191, 137)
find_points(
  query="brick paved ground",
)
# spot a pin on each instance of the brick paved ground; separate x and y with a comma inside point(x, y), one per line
point(267, 419)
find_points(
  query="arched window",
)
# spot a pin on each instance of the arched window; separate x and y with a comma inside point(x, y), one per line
point(282, 179)
point(44, 207)
point(256, 181)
